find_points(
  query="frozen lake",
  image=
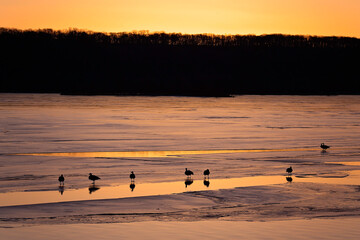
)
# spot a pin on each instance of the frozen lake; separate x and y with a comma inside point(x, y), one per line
point(247, 142)
point(50, 123)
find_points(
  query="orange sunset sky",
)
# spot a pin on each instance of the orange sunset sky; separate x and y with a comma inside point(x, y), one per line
point(309, 17)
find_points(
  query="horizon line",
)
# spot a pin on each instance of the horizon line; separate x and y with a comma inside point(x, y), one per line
point(149, 32)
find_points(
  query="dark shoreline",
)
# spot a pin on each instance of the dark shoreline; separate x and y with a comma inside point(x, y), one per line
point(159, 64)
point(169, 95)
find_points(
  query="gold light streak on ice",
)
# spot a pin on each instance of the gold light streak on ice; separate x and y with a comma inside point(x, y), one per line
point(174, 153)
point(152, 154)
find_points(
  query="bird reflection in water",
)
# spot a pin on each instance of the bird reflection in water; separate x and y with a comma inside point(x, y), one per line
point(289, 179)
point(93, 188)
point(323, 152)
point(188, 181)
point(61, 189)
point(132, 186)
point(206, 182)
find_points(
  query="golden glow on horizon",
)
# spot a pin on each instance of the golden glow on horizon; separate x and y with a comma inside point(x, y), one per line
point(308, 17)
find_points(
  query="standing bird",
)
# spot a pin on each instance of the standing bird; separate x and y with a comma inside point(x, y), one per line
point(61, 180)
point(93, 178)
point(188, 173)
point(206, 173)
point(324, 147)
point(132, 176)
point(289, 170)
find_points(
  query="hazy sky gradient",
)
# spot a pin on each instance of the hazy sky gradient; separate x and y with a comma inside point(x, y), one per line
point(310, 17)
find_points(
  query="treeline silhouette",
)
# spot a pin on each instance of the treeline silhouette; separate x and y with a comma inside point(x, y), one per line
point(143, 63)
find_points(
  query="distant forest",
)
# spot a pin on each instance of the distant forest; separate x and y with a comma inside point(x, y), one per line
point(143, 63)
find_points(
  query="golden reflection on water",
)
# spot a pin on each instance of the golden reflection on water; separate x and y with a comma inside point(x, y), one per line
point(161, 153)
point(96, 192)
point(153, 154)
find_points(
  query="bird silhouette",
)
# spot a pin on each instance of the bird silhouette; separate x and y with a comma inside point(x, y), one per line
point(93, 178)
point(132, 176)
point(206, 173)
point(61, 180)
point(188, 173)
point(289, 170)
point(324, 146)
